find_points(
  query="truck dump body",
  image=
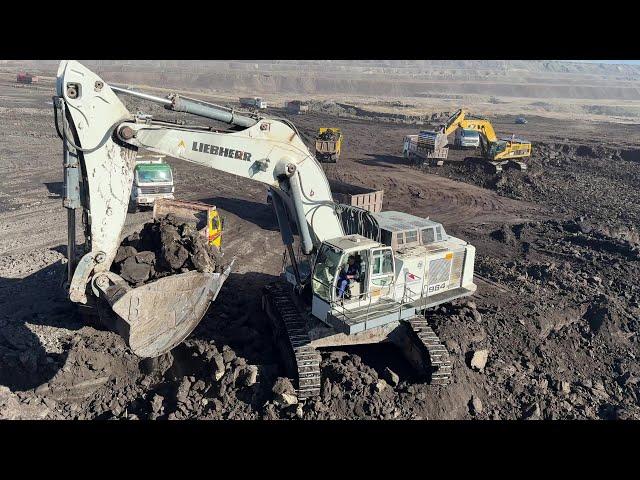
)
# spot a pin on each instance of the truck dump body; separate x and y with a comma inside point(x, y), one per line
point(26, 78)
point(202, 216)
point(328, 145)
point(416, 148)
point(194, 213)
point(362, 197)
point(297, 107)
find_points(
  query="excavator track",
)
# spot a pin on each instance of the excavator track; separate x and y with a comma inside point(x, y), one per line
point(301, 359)
point(425, 339)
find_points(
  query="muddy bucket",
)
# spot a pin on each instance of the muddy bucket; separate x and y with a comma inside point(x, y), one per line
point(156, 317)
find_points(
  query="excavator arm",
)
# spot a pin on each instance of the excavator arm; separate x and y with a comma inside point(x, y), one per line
point(270, 152)
point(480, 125)
point(453, 122)
point(100, 139)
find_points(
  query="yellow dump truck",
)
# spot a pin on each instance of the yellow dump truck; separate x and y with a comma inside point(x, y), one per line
point(328, 145)
point(204, 217)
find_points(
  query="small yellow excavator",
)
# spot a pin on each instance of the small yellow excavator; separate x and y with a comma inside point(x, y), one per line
point(496, 151)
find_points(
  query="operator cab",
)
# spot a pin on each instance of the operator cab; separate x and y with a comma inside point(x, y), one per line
point(375, 275)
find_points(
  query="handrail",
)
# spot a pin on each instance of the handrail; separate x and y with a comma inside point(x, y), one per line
point(340, 308)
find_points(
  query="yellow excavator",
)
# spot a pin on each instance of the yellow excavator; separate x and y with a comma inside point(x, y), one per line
point(495, 151)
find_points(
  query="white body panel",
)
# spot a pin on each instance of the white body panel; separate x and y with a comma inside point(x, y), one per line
point(270, 144)
point(434, 269)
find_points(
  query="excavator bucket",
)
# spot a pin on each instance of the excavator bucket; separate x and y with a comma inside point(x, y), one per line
point(156, 317)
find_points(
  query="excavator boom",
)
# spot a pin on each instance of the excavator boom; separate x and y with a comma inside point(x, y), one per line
point(98, 167)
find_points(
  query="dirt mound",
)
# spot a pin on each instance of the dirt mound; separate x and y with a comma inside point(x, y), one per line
point(351, 111)
point(164, 247)
point(571, 346)
point(562, 176)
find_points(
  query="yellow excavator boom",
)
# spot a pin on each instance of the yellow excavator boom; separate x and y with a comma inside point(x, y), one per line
point(481, 125)
point(493, 148)
point(453, 122)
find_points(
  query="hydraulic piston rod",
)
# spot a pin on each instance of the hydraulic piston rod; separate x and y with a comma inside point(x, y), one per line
point(144, 96)
point(195, 107)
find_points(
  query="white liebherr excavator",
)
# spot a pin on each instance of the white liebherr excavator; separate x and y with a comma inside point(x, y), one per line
point(407, 264)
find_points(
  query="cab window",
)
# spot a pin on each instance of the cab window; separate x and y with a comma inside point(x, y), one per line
point(325, 270)
point(382, 267)
point(427, 236)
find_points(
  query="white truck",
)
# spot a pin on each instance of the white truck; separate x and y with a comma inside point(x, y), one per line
point(418, 151)
point(466, 138)
point(152, 180)
point(253, 102)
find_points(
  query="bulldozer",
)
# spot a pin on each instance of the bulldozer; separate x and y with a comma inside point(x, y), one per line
point(407, 264)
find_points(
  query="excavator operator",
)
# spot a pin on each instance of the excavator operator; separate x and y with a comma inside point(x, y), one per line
point(348, 274)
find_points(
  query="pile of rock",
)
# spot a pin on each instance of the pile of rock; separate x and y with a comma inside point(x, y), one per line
point(165, 247)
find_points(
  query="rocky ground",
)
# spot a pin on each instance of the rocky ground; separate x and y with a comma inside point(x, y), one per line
point(552, 332)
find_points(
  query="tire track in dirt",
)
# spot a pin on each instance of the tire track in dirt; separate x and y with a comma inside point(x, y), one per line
point(444, 200)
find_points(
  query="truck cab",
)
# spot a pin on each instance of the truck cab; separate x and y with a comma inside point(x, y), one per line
point(466, 138)
point(152, 180)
